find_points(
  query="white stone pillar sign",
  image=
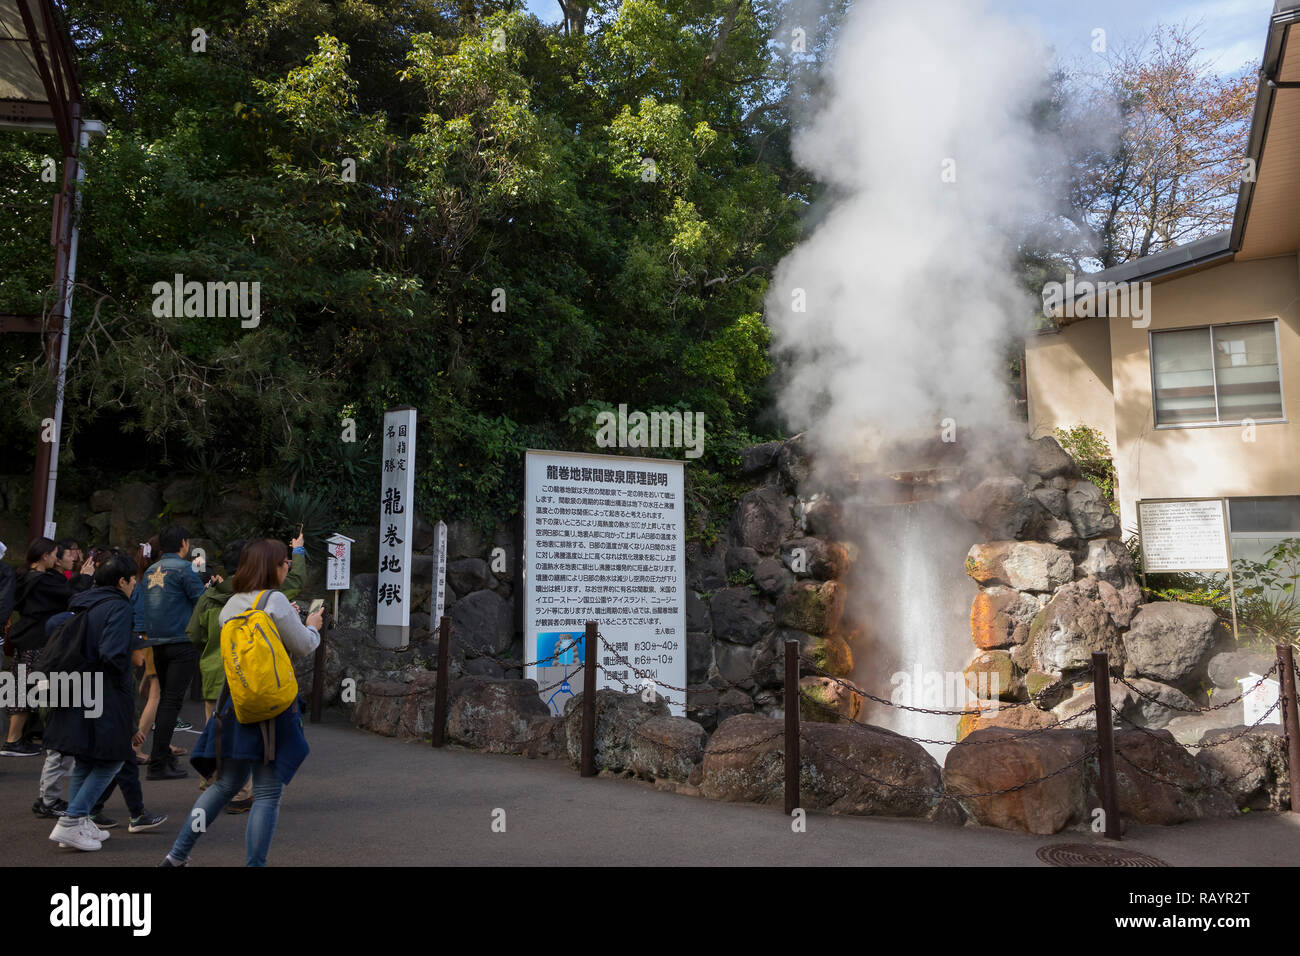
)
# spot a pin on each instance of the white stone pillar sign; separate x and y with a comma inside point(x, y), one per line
point(439, 575)
point(605, 542)
point(396, 508)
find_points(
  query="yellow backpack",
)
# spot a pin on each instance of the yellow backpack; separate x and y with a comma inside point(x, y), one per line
point(259, 675)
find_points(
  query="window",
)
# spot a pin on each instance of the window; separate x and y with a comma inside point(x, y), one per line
point(1256, 524)
point(1217, 374)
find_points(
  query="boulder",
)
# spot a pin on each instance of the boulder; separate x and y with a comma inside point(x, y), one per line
point(815, 608)
point(1023, 565)
point(1011, 718)
point(1002, 508)
point(1252, 766)
point(1174, 788)
point(1122, 604)
point(829, 652)
point(101, 500)
point(706, 568)
point(795, 463)
point(464, 539)
point(482, 624)
point(815, 558)
point(1079, 712)
point(422, 533)
point(1168, 704)
point(991, 674)
point(469, 574)
point(823, 699)
point(738, 616)
point(98, 524)
point(617, 717)
point(1053, 502)
point(772, 578)
point(1172, 642)
point(1107, 560)
point(762, 519)
point(699, 655)
point(1000, 617)
point(823, 516)
point(739, 560)
point(1071, 626)
point(997, 758)
point(736, 663)
point(1090, 512)
point(546, 738)
point(844, 769)
point(493, 715)
point(666, 748)
point(1048, 459)
point(1226, 668)
point(759, 458)
point(709, 706)
point(697, 613)
point(379, 707)
point(136, 508)
point(484, 667)
point(182, 495)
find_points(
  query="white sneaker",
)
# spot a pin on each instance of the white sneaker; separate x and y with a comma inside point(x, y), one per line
point(98, 833)
point(75, 835)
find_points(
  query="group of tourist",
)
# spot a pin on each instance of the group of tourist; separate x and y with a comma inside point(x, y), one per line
point(149, 623)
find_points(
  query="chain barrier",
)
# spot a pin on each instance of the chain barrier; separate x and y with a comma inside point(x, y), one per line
point(1227, 783)
point(1218, 743)
point(1199, 710)
point(965, 742)
point(1002, 705)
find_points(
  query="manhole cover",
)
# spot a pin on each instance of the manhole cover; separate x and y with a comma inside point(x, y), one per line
point(1094, 854)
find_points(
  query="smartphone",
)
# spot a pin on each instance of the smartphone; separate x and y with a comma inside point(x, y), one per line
point(316, 605)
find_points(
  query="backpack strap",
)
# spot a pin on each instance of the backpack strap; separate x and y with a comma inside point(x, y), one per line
point(262, 598)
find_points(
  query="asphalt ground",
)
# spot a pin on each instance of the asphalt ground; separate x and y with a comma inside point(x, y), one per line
point(364, 800)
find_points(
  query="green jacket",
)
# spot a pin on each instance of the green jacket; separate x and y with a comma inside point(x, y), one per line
point(204, 629)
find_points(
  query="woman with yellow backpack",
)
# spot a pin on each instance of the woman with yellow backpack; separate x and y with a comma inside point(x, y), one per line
point(257, 727)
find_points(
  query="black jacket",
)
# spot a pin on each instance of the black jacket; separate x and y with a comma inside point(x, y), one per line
point(41, 595)
point(105, 735)
point(8, 585)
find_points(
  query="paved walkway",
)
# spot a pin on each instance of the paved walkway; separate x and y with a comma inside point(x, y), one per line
point(372, 801)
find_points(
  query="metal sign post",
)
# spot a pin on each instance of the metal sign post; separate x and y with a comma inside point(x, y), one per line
point(438, 598)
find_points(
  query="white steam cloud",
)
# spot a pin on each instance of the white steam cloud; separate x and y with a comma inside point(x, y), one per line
point(907, 279)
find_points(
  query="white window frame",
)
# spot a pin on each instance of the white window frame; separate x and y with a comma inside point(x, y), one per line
point(1281, 386)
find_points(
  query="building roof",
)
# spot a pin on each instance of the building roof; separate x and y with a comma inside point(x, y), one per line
point(38, 86)
point(1267, 218)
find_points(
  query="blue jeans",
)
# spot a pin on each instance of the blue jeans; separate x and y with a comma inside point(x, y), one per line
point(90, 778)
point(261, 819)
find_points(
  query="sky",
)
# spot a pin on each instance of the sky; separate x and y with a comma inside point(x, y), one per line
point(1232, 30)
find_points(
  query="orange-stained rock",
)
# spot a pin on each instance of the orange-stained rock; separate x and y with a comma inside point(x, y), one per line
point(1000, 617)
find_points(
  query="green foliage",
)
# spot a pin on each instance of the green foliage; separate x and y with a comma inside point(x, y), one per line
point(287, 511)
point(477, 168)
point(1088, 447)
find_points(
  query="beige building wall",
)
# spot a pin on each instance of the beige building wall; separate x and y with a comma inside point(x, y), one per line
point(1068, 380)
point(1206, 460)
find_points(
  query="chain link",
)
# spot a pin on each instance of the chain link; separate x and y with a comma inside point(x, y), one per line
point(1198, 710)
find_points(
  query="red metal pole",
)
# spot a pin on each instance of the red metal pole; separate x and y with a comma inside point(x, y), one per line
point(791, 726)
point(1290, 718)
point(1105, 744)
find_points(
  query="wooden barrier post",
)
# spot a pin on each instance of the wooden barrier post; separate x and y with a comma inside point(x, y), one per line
point(1105, 744)
point(791, 726)
point(440, 682)
point(318, 666)
point(589, 702)
point(1290, 717)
